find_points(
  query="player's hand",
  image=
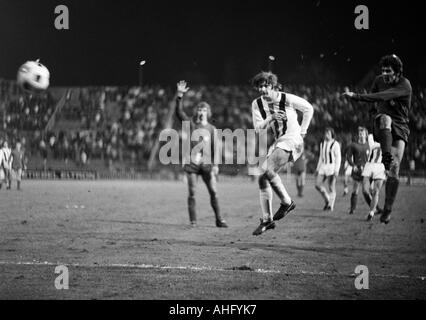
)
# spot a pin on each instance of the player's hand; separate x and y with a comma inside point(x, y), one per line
point(279, 115)
point(303, 135)
point(349, 94)
point(182, 88)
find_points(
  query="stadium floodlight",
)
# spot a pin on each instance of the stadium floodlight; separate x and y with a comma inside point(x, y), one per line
point(142, 62)
point(272, 58)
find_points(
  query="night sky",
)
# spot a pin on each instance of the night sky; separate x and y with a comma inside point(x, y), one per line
point(212, 42)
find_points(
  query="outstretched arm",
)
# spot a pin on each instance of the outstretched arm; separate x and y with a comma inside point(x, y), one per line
point(181, 90)
point(401, 90)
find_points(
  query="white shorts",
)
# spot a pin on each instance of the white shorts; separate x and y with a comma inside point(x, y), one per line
point(326, 170)
point(348, 169)
point(376, 171)
point(291, 143)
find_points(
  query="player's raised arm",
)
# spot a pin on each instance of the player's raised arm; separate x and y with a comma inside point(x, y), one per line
point(303, 106)
point(349, 156)
point(182, 88)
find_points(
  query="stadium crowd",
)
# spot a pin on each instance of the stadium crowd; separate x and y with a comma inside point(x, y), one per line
point(117, 124)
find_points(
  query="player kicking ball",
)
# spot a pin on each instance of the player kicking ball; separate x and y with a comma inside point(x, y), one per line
point(276, 110)
point(374, 170)
point(328, 167)
point(196, 167)
point(392, 93)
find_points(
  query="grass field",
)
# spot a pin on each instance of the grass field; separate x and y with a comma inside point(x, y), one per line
point(131, 240)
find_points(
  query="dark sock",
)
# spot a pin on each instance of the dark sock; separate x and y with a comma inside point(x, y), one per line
point(215, 205)
point(391, 190)
point(385, 140)
point(301, 191)
point(354, 199)
point(191, 209)
point(367, 198)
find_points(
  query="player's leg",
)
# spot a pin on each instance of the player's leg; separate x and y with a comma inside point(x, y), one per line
point(265, 197)
point(278, 160)
point(375, 198)
point(332, 188)
point(18, 179)
point(354, 196)
point(301, 183)
point(385, 138)
point(191, 180)
point(392, 182)
point(209, 179)
point(319, 185)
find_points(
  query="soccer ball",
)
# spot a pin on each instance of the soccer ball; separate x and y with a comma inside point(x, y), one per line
point(33, 76)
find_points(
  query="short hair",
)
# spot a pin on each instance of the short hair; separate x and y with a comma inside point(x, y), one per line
point(331, 131)
point(393, 61)
point(361, 128)
point(266, 77)
point(203, 105)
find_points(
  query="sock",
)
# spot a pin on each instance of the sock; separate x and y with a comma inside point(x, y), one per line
point(280, 190)
point(324, 194)
point(191, 209)
point(391, 190)
point(385, 140)
point(215, 205)
point(332, 199)
point(266, 203)
point(367, 198)
point(354, 200)
point(19, 185)
point(301, 191)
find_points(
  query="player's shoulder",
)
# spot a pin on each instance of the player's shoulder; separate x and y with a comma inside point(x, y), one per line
point(406, 83)
point(255, 102)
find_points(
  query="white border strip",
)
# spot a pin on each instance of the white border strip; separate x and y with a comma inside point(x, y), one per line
point(195, 268)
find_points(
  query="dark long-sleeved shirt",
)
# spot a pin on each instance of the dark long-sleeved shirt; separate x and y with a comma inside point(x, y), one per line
point(207, 135)
point(392, 99)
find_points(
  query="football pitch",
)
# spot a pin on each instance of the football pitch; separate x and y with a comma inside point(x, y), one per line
point(132, 240)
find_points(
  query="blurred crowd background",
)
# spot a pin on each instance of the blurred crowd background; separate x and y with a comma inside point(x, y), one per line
point(117, 127)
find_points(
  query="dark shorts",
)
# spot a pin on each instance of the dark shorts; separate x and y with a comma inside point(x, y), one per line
point(400, 130)
point(357, 176)
point(200, 169)
point(299, 166)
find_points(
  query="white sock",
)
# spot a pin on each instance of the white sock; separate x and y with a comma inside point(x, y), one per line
point(280, 190)
point(266, 203)
point(325, 194)
point(332, 199)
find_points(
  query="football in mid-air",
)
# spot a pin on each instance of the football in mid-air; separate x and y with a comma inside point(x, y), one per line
point(33, 76)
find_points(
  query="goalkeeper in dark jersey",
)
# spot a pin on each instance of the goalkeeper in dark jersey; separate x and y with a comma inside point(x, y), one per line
point(197, 164)
point(392, 94)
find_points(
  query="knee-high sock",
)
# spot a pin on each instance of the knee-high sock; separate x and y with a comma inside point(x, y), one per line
point(332, 198)
point(354, 200)
point(385, 140)
point(215, 205)
point(367, 197)
point(191, 209)
point(374, 201)
point(266, 203)
point(324, 194)
point(300, 190)
point(391, 190)
point(279, 189)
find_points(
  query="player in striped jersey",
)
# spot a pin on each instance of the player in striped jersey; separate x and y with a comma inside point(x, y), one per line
point(373, 170)
point(197, 166)
point(276, 110)
point(328, 167)
point(6, 163)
